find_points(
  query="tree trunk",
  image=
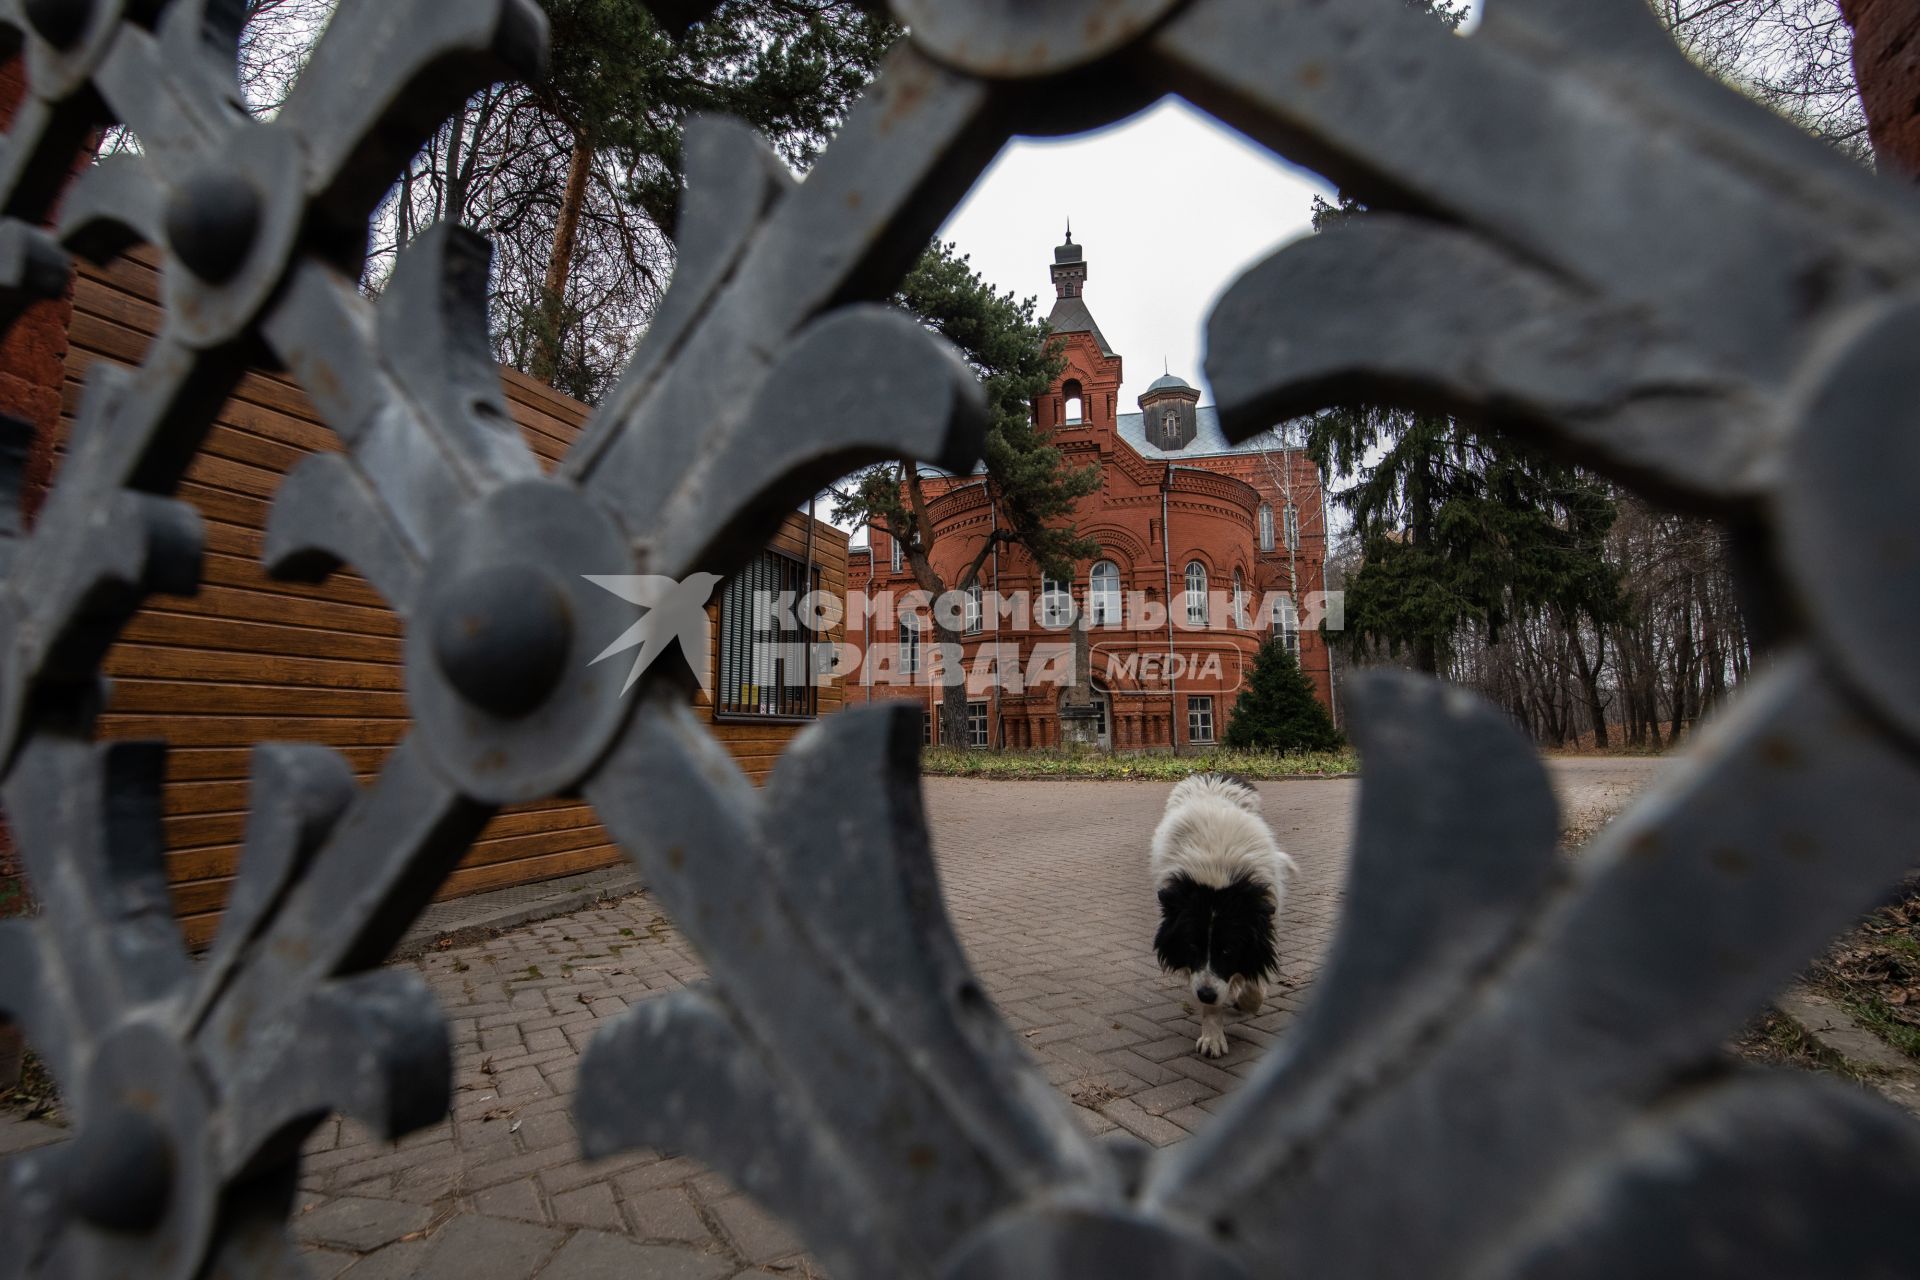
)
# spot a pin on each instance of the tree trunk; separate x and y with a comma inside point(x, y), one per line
point(1426, 655)
point(953, 697)
point(454, 183)
point(1590, 682)
point(566, 230)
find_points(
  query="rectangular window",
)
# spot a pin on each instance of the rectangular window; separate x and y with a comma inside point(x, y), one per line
point(764, 666)
point(1286, 624)
point(909, 647)
point(896, 552)
point(973, 610)
point(1056, 603)
point(1266, 527)
point(1200, 719)
point(977, 724)
point(1293, 528)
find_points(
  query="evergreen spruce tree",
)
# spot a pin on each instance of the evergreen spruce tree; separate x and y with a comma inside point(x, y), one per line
point(1277, 710)
point(1457, 528)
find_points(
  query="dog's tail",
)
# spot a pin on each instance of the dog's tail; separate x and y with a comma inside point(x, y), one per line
point(1224, 786)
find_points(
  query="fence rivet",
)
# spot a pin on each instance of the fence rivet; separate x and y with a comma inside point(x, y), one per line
point(503, 638)
point(211, 222)
point(60, 23)
point(119, 1173)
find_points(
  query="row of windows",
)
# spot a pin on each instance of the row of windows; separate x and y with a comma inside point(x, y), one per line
point(1199, 721)
point(1104, 606)
point(1292, 528)
point(766, 671)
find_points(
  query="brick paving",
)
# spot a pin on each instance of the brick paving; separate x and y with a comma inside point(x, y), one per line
point(1046, 882)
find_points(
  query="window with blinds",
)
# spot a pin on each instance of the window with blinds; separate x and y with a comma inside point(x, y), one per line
point(764, 666)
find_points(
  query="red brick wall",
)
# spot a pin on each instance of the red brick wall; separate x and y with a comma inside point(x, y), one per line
point(32, 369)
point(1886, 63)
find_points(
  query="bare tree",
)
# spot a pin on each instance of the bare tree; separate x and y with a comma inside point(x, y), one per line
point(576, 180)
point(1795, 56)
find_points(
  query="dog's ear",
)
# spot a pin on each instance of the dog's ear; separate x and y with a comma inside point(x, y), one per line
point(1174, 947)
point(1177, 944)
point(1243, 939)
point(1177, 892)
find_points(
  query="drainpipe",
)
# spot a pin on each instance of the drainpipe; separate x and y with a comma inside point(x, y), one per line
point(1166, 566)
point(993, 527)
point(806, 589)
point(1326, 646)
point(866, 658)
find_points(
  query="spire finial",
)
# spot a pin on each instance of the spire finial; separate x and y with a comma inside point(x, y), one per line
point(1069, 230)
point(1165, 368)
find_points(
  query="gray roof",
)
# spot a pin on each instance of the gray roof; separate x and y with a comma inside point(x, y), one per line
point(1168, 382)
point(1207, 437)
point(1070, 315)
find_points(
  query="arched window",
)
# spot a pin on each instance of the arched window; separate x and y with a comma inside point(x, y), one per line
point(974, 610)
point(1075, 400)
point(1170, 424)
point(896, 551)
point(1103, 594)
point(1056, 602)
point(1239, 601)
point(1196, 594)
point(1266, 526)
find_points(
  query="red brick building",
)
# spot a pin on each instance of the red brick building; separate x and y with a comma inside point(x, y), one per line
point(1233, 535)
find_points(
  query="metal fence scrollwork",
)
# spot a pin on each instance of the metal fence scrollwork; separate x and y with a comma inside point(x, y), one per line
point(1509, 1065)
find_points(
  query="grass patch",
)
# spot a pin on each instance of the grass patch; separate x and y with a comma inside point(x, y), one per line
point(1145, 766)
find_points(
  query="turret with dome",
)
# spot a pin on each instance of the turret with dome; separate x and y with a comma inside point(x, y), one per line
point(1169, 412)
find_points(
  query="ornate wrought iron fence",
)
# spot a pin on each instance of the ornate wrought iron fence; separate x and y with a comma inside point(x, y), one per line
point(1509, 1064)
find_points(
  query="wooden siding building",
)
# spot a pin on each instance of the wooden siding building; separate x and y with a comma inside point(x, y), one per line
point(250, 659)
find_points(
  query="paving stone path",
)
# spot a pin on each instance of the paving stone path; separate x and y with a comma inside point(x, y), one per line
point(1046, 882)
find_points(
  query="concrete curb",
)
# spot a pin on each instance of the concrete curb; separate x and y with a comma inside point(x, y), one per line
point(1892, 1074)
point(481, 915)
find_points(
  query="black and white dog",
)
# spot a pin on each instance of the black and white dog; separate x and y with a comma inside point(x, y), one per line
point(1221, 880)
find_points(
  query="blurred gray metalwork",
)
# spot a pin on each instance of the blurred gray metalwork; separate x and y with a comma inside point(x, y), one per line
point(1510, 1064)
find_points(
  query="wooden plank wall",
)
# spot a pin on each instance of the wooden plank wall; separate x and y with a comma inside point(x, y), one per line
point(251, 659)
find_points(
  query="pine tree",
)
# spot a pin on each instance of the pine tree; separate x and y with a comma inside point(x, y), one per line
point(1277, 710)
point(576, 179)
point(1033, 491)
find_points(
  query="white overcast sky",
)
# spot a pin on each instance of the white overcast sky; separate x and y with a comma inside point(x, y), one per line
point(1155, 266)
